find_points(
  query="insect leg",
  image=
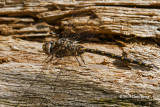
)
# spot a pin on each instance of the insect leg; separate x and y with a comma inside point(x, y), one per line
point(46, 59)
point(50, 59)
point(82, 59)
point(58, 60)
point(78, 60)
point(154, 66)
point(74, 54)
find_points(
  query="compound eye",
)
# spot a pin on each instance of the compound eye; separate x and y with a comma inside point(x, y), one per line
point(46, 48)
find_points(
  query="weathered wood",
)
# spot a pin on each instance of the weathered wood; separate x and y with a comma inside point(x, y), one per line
point(68, 84)
point(16, 20)
point(21, 10)
point(31, 35)
point(23, 29)
point(102, 81)
point(126, 21)
point(141, 22)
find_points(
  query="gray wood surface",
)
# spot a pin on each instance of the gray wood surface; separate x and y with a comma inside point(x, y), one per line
point(102, 81)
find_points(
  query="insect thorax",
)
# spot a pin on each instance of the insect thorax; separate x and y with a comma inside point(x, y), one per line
point(63, 47)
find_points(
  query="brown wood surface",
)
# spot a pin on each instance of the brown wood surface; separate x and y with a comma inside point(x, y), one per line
point(102, 81)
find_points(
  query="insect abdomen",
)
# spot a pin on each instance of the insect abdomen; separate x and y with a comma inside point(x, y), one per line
point(95, 51)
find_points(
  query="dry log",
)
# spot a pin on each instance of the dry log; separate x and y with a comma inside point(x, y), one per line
point(31, 35)
point(102, 81)
point(67, 84)
point(126, 21)
point(16, 20)
point(21, 10)
point(140, 22)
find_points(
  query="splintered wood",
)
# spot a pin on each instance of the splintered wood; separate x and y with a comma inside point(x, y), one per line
point(126, 21)
point(102, 78)
point(140, 22)
point(103, 81)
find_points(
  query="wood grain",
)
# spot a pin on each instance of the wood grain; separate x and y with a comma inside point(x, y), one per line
point(102, 81)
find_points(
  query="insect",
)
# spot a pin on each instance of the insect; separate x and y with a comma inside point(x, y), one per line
point(65, 47)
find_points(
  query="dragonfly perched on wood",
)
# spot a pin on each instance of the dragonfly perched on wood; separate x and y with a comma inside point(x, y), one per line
point(68, 47)
point(64, 47)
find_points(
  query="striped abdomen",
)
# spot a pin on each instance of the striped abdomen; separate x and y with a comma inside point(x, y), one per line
point(95, 51)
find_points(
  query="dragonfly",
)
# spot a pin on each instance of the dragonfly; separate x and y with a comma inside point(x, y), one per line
point(65, 47)
point(68, 47)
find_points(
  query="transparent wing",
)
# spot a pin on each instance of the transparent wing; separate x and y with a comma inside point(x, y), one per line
point(69, 84)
